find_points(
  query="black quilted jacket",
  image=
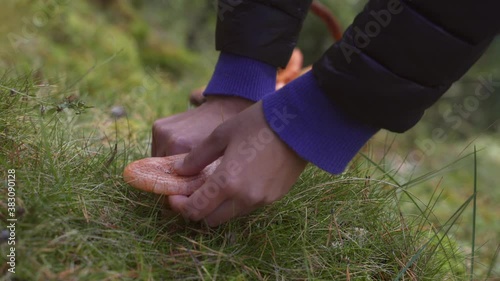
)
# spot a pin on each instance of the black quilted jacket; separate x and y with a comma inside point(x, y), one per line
point(395, 60)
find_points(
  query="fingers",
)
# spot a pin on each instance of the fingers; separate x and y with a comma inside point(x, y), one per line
point(204, 200)
point(162, 147)
point(179, 133)
point(240, 184)
point(154, 139)
point(226, 211)
point(218, 188)
point(213, 211)
point(176, 203)
point(207, 152)
point(177, 145)
point(155, 132)
point(166, 144)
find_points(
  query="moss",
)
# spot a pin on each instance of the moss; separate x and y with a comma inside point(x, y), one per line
point(175, 61)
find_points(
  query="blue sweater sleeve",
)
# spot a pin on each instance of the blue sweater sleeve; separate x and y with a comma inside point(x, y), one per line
point(315, 128)
point(300, 113)
point(240, 76)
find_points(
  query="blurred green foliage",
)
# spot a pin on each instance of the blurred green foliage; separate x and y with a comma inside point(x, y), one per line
point(147, 55)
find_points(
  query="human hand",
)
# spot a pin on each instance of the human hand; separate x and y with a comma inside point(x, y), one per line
point(180, 133)
point(257, 169)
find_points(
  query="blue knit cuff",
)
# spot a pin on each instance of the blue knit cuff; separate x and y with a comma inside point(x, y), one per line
point(315, 128)
point(243, 77)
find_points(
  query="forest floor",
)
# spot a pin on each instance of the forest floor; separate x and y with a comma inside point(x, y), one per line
point(77, 100)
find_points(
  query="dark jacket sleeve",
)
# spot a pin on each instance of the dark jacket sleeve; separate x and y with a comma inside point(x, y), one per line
point(265, 30)
point(399, 57)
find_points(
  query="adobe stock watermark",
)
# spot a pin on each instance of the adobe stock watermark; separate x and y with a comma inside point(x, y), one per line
point(453, 118)
point(362, 38)
point(32, 24)
point(224, 6)
point(149, 82)
point(11, 220)
point(249, 148)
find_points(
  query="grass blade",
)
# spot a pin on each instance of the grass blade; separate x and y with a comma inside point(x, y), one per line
point(474, 208)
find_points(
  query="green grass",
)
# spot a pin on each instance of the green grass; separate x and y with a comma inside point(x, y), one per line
point(458, 172)
point(79, 221)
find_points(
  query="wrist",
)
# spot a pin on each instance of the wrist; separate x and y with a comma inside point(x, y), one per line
point(313, 126)
point(231, 105)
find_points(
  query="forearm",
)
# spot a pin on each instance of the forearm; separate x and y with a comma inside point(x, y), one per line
point(396, 59)
point(318, 130)
point(255, 37)
point(385, 82)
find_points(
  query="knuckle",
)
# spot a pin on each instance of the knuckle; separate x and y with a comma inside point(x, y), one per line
point(218, 134)
point(176, 142)
point(159, 131)
point(189, 158)
point(180, 141)
point(170, 141)
point(254, 198)
point(231, 187)
point(212, 223)
point(211, 189)
point(161, 125)
point(230, 191)
point(195, 217)
point(267, 200)
point(192, 214)
point(157, 125)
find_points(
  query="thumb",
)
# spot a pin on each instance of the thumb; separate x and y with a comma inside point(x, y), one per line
point(202, 155)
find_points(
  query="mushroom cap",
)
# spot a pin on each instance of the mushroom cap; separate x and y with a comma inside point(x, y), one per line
point(156, 175)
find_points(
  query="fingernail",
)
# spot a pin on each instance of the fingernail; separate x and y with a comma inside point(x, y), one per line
point(178, 165)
